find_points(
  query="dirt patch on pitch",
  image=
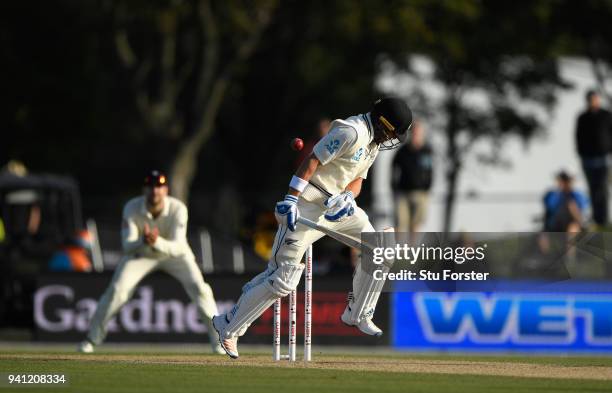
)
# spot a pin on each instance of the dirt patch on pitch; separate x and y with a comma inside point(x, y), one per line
point(379, 364)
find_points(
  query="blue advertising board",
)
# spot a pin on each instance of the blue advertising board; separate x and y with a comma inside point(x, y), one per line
point(467, 321)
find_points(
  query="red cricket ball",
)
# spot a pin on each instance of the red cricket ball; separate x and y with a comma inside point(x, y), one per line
point(297, 144)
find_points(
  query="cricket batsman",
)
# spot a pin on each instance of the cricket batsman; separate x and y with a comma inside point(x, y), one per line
point(323, 190)
point(153, 237)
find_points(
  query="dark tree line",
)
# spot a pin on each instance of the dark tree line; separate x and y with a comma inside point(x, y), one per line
point(212, 91)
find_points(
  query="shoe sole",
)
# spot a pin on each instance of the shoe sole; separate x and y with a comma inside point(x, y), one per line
point(357, 327)
point(221, 341)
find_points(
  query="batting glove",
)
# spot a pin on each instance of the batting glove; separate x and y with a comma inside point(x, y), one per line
point(287, 212)
point(340, 206)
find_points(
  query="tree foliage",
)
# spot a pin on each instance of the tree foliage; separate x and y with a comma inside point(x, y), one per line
point(213, 90)
point(498, 52)
point(583, 29)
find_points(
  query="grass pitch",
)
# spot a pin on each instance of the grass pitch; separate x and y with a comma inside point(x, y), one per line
point(113, 372)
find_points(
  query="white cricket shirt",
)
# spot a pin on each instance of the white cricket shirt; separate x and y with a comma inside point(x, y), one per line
point(346, 153)
point(172, 225)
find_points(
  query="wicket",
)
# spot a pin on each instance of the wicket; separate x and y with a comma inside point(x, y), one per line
point(276, 352)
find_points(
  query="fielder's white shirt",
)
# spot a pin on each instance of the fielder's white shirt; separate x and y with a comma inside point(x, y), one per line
point(171, 223)
point(346, 153)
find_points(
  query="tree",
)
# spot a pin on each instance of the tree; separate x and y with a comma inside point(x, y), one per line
point(497, 51)
point(151, 82)
point(182, 56)
point(583, 28)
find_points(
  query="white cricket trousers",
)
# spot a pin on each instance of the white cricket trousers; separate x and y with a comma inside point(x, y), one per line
point(131, 271)
point(288, 249)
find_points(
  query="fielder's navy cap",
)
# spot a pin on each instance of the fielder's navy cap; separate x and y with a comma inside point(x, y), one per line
point(155, 178)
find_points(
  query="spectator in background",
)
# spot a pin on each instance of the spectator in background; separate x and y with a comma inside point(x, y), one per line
point(593, 137)
point(564, 210)
point(564, 207)
point(412, 177)
point(263, 235)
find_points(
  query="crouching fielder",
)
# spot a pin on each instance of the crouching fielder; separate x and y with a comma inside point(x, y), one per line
point(323, 190)
point(153, 235)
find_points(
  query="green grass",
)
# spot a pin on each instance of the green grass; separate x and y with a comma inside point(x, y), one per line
point(134, 376)
point(561, 360)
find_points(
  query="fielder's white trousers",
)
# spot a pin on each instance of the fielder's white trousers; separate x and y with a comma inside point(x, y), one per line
point(132, 270)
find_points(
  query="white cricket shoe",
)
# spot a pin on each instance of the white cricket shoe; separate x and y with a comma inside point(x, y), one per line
point(229, 345)
point(218, 349)
point(213, 336)
point(86, 347)
point(365, 325)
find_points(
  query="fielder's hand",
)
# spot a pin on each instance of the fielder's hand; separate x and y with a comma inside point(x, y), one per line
point(287, 212)
point(340, 206)
point(150, 235)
